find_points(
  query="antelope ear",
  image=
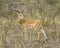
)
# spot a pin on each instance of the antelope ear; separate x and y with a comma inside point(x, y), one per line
point(18, 12)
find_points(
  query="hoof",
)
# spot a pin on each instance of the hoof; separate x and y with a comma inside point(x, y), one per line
point(46, 39)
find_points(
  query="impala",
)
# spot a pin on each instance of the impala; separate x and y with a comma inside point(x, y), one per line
point(33, 22)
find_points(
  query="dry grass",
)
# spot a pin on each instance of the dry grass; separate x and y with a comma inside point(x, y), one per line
point(12, 35)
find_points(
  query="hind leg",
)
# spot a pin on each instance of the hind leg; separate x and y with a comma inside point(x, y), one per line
point(38, 35)
point(42, 30)
point(37, 31)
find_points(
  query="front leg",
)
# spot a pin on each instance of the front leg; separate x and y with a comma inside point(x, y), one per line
point(25, 32)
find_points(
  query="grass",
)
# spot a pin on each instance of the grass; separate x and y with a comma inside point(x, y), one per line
point(12, 35)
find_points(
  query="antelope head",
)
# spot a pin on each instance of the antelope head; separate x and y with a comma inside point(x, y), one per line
point(20, 15)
